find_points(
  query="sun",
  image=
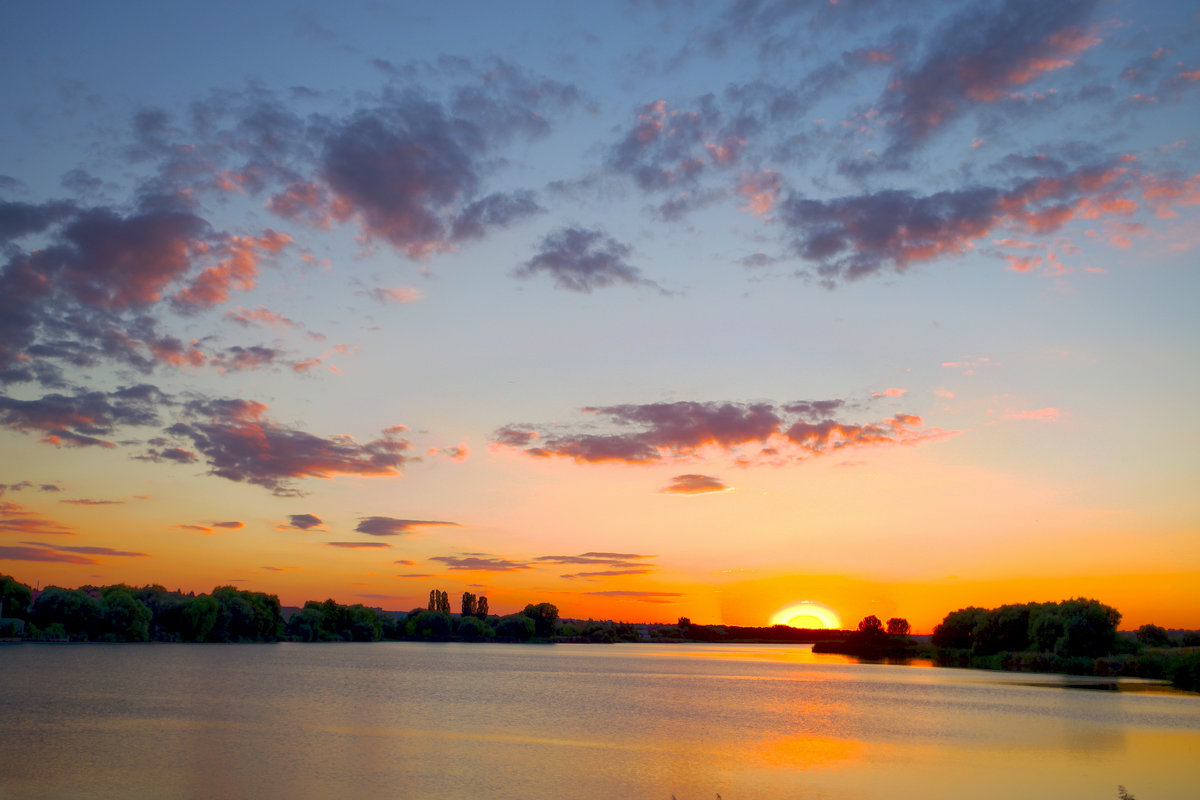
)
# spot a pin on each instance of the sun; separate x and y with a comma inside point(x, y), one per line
point(807, 614)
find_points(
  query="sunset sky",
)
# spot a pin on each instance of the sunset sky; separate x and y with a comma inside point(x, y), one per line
point(647, 309)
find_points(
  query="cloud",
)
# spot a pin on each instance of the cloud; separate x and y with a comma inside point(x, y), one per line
point(197, 528)
point(761, 190)
point(458, 452)
point(21, 553)
point(607, 559)
point(409, 167)
point(113, 261)
point(90, 502)
point(666, 148)
point(409, 170)
point(238, 358)
point(1164, 192)
point(259, 316)
point(404, 562)
point(79, 420)
point(695, 484)
point(236, 269)
point(417, 575)
point(304, 522)
point(241, 444)
point(398, 295)
point(645, 597)
point(1039, 414)
point(232, 524)
point(977, 58)
point(641, 434)
point(36, 551)
point(22, 485)
point(580, 260)
point(17, 519)
point(360, 545)
point(859, 235)
point(617, 563)
point(175, 454)
point(390, 526)
point(607, 573)
point(71, 299)
point(970, 366)
point(22, 219)
point(890, 393)
point(89, 550)
point(481, 564)
point(494, 211)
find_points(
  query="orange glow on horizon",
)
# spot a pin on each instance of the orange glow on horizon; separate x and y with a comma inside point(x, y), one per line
point(805, 613)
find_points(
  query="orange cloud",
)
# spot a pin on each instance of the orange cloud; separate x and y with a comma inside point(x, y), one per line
point(761, 190)
point(695, 484)
point(1040, 414)
point(261, 314)
point(16, 519)
point(238, 269)
point(398, 295)
point(1165, 192)
point(982, 83)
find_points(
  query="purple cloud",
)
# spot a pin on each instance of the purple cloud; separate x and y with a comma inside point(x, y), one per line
point(694, 484)
point(580, 260)
point(642, 434)
point(241, 444)
point(304, 522)
point(390, 526)
point(481, 564)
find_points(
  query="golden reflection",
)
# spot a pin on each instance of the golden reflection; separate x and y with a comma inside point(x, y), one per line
point(808, 752)
point(786, 654)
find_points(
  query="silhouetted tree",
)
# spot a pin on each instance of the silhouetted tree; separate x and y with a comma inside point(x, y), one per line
point(957, 630)
point(125, 618)
point(15, 598)
point(1070, 628)
point(898, 626)
point(481, 607)
point(1153, 636)
point(199, 615)
point(544, 615)
point(430, 625)
point(473, 629)
point(517, 627)
point(870, 624)
point(80, 615)
point(468, 604)
point(245, 616)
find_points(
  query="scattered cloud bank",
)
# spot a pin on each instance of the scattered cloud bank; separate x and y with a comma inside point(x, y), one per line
point(650, 433)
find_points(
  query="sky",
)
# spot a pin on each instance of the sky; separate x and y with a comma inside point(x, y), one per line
point(644, 309)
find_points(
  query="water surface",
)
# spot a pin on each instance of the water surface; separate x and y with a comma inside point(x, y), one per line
point(411, 720)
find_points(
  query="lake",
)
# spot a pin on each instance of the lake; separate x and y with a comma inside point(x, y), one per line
point(414, 720)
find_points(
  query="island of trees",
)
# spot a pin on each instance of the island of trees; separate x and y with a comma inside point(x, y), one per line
point(1077, 636)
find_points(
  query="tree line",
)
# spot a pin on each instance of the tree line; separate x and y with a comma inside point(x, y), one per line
point(121, 613)
point(1077, 636)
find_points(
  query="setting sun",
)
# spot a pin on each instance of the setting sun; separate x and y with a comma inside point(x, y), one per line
point(807, 614)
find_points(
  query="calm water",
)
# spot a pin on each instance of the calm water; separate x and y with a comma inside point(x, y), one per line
point(409, 720)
